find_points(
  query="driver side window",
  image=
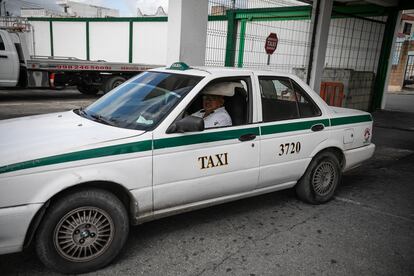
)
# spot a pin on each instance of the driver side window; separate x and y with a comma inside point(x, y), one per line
point(223, 102)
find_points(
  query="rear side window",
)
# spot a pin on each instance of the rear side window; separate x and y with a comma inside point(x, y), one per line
point(283, 99)
point(278, 99)
point(307, 108)
point(2, 48)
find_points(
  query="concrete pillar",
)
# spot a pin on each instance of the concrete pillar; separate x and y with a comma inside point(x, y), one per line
point(323, 20)
point(187, 31)
point(387, 79)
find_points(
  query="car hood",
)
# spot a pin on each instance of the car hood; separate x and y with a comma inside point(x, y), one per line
point(34, 137)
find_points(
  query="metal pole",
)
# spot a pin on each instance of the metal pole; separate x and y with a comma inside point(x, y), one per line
point(268, 59)
point(33, 40)
point(315, 16)
point(321, 41)
point(384, 67)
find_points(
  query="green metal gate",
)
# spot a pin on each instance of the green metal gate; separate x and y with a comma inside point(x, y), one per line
point(356, 43)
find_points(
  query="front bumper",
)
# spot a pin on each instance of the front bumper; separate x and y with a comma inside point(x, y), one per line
point(14, 222)
point(355, 157)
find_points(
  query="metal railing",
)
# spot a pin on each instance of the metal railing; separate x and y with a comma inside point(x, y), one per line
point(355, 43)
point(250, 35)
point(356, 34)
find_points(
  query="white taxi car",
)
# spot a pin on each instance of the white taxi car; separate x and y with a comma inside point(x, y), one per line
point(73, 182)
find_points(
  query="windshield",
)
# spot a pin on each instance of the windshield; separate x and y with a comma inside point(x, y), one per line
point(142, 102)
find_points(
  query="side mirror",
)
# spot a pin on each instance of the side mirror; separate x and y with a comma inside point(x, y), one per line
point(187, 124)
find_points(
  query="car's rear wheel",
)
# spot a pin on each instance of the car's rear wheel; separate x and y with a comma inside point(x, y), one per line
point(322, 177)
point(82, 231)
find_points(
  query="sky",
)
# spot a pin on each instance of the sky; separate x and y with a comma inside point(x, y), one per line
point(125, 7)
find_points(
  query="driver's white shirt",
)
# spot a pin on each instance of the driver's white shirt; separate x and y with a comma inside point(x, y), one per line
point(218, 118)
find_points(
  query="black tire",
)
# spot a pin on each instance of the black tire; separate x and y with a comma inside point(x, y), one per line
point(111, 83)
point(59, 88)
point(95, 240)
point(88, 89)
point(322, 177)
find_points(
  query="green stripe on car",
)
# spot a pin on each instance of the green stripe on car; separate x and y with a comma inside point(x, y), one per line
point(203, 138)
point(178, 141)
point(79, 155)
point(351, 120)
point(271, 129)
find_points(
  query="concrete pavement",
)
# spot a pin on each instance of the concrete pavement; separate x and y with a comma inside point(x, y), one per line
point(402, 101)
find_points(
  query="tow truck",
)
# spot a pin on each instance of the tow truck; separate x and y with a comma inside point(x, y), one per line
point(20, 69)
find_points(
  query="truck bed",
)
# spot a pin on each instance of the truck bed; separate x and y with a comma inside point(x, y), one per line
point(73, 64)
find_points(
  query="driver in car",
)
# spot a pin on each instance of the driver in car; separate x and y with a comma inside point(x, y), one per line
point(214, 113)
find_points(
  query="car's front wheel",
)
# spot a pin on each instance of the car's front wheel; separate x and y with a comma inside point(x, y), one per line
point(322, 177)
point(82, 231)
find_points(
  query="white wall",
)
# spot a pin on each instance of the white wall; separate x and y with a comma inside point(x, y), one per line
point(352, 43)
point(109, 41)
point(150, 43)
point(42, 38)
point(69, 39)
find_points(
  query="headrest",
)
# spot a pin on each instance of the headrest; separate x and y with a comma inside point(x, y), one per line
point(222, 89)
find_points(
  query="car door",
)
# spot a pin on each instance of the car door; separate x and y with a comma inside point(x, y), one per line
point(9, 62)
point(292, 127)
point(198, 167)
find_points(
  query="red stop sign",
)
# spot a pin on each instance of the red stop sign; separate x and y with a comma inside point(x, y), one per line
point(271, 43)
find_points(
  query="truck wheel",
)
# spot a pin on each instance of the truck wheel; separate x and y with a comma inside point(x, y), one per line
point(88, 89)
point(82, 231)
point(111, 83)
point(320, 180)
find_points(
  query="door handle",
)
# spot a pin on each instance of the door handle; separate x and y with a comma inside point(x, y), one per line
point(3, 56)
point(317, 127)
point(247, 137)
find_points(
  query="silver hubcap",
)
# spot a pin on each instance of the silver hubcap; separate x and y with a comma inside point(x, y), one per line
point(83, 234)
point(324, 178)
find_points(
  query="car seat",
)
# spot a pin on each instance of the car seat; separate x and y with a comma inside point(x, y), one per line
point(236, 106)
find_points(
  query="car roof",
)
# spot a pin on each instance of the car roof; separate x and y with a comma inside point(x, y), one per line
point(204, 71)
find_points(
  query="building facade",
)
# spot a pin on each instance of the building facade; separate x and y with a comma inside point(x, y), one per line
point(69, 9)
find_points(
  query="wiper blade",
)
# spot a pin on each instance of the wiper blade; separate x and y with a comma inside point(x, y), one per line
point(100, 119)
point(82, 112)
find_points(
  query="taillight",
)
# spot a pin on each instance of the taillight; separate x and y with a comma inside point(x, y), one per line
point(52, 80)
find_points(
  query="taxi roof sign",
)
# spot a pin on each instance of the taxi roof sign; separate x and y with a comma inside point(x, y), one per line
point(179, 66)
